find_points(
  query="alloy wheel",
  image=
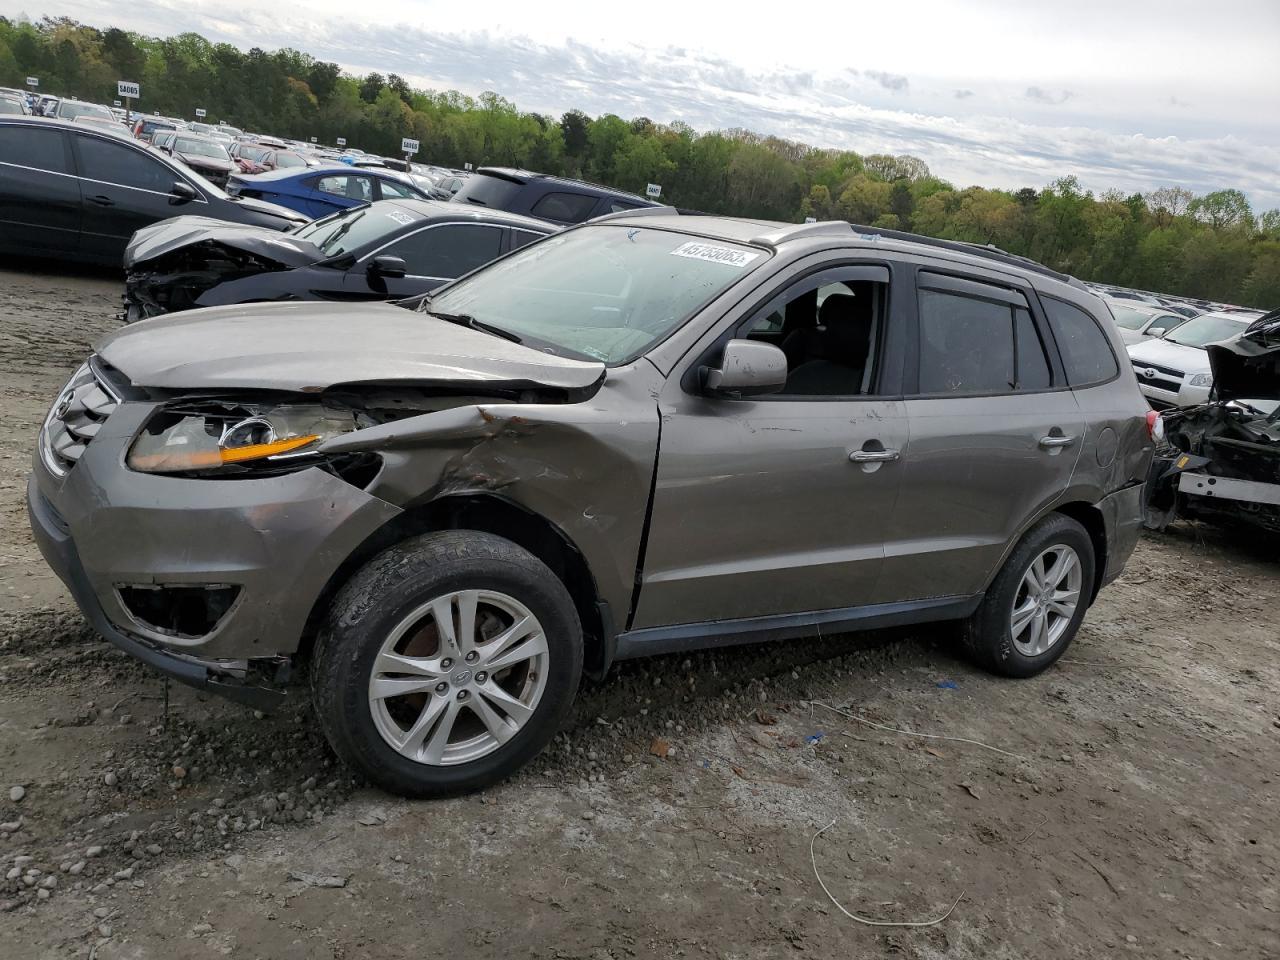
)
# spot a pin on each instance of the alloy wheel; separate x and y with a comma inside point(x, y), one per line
point(1046, 601)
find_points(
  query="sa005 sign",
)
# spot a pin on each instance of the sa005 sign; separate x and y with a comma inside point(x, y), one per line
point(409, 146)
point(127, 88)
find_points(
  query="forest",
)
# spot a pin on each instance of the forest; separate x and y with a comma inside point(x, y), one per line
point(1168, 240)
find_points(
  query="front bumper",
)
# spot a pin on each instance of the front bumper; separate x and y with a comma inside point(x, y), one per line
point(107, 531)
point(1185, 396)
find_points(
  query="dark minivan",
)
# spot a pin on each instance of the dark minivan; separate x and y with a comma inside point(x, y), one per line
point(67, 190)
point(557, 199)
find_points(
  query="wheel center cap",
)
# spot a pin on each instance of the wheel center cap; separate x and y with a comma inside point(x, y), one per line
point(461, 677)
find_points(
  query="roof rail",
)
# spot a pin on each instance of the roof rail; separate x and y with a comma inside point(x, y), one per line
point(824, 228)
point(637, 212)
point(987, 251)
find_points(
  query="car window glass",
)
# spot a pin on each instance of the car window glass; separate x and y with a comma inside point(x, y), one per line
point(828, 331)
point(353, 188)
point(1086, 352)
point(1033, 366)
point(521, 237)
point(115, 163)
point(617, 206)
point(31, 146)
point(564, 207)
point(396, 191)
point(966, 344)
point(1128, 318)
point(1162, 325)
point(447, 251)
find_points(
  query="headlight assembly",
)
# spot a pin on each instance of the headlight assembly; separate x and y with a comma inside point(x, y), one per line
point(232, 437)
point(1201, 380)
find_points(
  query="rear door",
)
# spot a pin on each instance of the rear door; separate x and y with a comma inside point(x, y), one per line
point(995, 433)
point(39, 194)
point(124, 188)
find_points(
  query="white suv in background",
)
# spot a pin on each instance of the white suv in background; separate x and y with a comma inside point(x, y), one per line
point(1173, 371)
point(1137, 321)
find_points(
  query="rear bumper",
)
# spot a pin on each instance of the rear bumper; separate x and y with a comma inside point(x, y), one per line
point(59, 551)
point(1122, 515)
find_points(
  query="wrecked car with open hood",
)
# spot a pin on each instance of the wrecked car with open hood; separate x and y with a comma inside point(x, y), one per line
point(1222, 460)
point(384, 250)
point(646, 434)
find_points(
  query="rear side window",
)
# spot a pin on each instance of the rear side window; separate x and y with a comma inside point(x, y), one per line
point(521, 237)
point(564, 207)
point(1086, 352)
point(34, 147)
point(115, 163)
point(970, 344)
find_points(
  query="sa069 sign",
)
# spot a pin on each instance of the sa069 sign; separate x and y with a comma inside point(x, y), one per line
point(127, 88)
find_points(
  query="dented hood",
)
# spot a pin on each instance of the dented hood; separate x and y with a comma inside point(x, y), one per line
point(170, 235)
point(1247, 367)
point(309, 347)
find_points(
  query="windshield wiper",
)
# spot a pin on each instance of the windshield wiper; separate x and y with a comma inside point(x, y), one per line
point(466, 320)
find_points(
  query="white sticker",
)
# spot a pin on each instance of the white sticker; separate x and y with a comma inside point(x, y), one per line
point(713, 253)
point(399, 216)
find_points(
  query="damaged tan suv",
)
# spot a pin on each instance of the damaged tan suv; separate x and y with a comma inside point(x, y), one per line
point(650, 433)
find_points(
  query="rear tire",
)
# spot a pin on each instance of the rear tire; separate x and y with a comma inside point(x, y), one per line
point(1034, 607)
point(446, 663)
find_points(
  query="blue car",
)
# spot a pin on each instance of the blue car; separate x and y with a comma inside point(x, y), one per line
point(320, 191)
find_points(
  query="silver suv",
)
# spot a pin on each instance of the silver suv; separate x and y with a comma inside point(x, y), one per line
point(647, 434)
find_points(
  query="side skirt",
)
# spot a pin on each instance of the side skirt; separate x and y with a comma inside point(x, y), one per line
point(652, 641)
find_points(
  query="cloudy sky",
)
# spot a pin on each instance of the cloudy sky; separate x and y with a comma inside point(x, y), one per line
point(1128, 94)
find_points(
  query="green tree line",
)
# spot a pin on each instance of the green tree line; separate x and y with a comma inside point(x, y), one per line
point(1168, 240)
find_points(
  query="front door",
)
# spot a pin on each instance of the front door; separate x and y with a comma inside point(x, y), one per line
point(781, 504)
point(124, 189)
point(995, 434)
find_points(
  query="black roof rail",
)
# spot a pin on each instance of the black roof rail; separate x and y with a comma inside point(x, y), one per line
point(976, 249)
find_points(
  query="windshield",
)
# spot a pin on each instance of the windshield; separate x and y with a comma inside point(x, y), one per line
point(1206, 329)
point(351, 229)
point(606, 292)
point(10, 106)
point(1128, 318)
point(254, 153)
point(200, 128)
point(284, 159)
point(200, 148)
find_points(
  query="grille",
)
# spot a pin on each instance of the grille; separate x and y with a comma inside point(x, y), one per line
point(1154, 375)
point(75, 419)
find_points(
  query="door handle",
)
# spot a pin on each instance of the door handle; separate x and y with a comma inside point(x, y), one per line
point(873, 456)
point(102, 201)
point(1051, 441)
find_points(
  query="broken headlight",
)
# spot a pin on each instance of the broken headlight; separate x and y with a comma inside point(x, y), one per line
point(1201, 380)
point(222, 437)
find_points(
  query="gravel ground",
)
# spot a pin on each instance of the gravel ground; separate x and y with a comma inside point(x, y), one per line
point(1130, 809)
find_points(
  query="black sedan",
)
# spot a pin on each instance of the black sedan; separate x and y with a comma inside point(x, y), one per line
point(70, 191)
point(384, 250)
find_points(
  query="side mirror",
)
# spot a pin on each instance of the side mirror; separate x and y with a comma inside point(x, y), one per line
point(391, 268)
point(182, 192)
point(748, 369)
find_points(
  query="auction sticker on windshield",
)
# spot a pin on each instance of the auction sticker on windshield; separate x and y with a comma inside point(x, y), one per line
point(713, 253)
point(399, 216)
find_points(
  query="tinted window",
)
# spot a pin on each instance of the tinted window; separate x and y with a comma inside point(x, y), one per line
point(485, 190)
point(115, 163)
point(1033, 365)
point(1086, 354)
point(617, 206)
point(564, 207)
point(966, 344)
point(33, 147)
point(353, 188)
point(448, 251)
point(520, 237)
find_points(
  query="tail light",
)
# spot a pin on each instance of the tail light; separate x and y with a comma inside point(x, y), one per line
point(1155, 427)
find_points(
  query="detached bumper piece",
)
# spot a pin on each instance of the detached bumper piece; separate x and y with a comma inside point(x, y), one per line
point(226, 678)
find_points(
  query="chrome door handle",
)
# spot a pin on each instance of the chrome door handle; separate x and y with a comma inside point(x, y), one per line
point(873, 456)
point(1050, 442)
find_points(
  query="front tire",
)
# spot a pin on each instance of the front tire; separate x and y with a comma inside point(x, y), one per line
point(447, 663)
point(1034, 607)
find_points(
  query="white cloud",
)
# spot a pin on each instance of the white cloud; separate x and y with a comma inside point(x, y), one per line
point(992, 99)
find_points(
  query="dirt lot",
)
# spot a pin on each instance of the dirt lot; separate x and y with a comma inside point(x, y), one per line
point(1133, 809)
